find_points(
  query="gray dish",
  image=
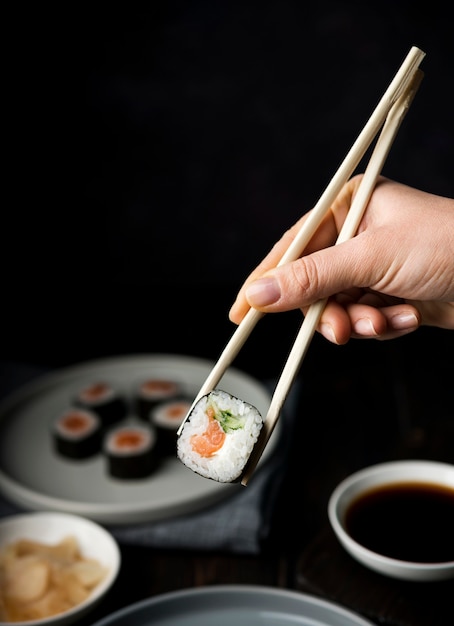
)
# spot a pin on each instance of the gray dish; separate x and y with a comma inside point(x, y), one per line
point(33, 476)
point(242, 605)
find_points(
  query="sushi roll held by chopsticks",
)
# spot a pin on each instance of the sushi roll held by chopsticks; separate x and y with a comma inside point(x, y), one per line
point(218, 436)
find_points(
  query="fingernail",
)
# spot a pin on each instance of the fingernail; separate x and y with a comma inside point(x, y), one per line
point(402, 321)
point(328, 332)
point(263, 291)
point(364, 326)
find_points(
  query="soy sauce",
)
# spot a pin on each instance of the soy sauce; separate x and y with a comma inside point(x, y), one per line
point(410, 521)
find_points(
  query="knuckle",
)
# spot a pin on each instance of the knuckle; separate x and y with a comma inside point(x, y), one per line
point(305, 275)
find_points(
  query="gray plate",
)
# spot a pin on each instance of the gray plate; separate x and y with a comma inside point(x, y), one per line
point(34, 477)
point(242, 605)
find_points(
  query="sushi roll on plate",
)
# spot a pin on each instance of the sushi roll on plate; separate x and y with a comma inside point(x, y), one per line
point(104, 400)
point(130, 451)
point(218, 437)
point(166, 418)
point(77, 433)
point(152, 392)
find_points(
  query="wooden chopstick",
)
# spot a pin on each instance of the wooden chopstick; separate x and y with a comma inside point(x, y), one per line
point(348, 230)
point(398, 85)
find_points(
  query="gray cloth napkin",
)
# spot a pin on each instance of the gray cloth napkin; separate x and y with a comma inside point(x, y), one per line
point(238, 524)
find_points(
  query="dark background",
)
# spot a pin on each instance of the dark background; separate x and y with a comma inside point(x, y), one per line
point(154, 155)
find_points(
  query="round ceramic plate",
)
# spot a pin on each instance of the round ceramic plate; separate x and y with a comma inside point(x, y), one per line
point(224, 605)
point(33, 476)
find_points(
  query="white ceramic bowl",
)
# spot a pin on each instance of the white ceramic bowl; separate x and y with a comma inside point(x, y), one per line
point(93, 541)
point(397, 472)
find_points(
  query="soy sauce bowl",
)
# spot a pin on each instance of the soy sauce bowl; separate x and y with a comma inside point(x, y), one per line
point(397, 519)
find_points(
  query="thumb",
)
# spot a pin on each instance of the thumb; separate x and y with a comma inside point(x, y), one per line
point(299, 283)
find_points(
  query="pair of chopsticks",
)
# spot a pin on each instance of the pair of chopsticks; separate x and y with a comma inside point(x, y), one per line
point(388, 115)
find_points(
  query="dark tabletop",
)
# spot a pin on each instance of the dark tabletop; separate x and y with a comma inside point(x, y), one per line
point(358, 405)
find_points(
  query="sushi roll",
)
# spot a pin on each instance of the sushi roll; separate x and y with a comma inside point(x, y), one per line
point(104, 400)
point(218, 437)
point(166, 418)
point(152, 392)
point(77, 433)
point(130, 451)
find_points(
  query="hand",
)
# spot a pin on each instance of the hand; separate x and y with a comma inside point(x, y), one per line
point(396, 274)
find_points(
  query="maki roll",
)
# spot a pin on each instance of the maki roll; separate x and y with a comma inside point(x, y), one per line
point(104, 400)
point(77, 434)
point(218, 436)
point(166, 418)
point(152, 392)
point(130, 451)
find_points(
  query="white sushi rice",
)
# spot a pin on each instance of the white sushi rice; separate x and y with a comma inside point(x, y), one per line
point(227, 464)
point(158, 389)
point(76, 424)
point(141, 438)
point(170, 414)
point(96, 393)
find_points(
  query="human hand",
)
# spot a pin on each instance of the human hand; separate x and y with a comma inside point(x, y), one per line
point(396, 274)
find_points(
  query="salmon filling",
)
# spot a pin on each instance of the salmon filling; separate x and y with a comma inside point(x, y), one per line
point(211, 440)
